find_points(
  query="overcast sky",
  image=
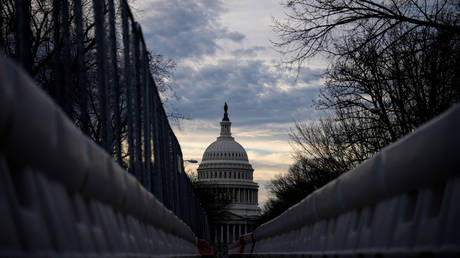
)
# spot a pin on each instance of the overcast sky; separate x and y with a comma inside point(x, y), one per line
point(223, 53)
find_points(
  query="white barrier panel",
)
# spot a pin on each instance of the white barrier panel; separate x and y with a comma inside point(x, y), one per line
point(403, 201)
point(62, 195)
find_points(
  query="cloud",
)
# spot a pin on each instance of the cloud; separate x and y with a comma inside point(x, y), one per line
point(207, 74)
point(251, 51)
point(185, 29)
point(234, 36)
point(256, 92)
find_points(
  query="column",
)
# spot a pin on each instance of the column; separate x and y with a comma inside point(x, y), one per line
point(246, 197)
point(245, 229)
point(236, 195)
point(239, 230)
point(239, 195)
point(222, 233)
point(250, 196)
point(247, 191)
point(228, 233)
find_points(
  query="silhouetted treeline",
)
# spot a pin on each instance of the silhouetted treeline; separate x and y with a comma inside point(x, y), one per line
point(61, 53)
point(394, 66)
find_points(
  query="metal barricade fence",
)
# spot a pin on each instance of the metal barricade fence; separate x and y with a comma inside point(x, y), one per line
point(62, 195)
point(402, 202)
point(90, 56)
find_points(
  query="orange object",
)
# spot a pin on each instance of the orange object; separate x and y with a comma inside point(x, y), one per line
point(204, 247)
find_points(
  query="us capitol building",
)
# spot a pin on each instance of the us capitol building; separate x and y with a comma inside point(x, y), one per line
point(225, 170)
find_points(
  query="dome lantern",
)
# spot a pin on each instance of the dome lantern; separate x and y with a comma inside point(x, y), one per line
point(226, 125)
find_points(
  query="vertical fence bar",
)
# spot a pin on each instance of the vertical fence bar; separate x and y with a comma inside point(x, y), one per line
point(2, 43)
point(137, 105)
point(23, 34)
point(142, 106)
point(179, 173)
point(166, 164)
point(81, 68)
point(189, 201)
point(127, 82)
point(115, 81)
point(67, 86)
point(104, 105)
point(58, 65)
point(152, 159)
point(147, 109)
point(174, 175)
point(182, 192)
point(62, 54)
point(171, 172)
point(157, 166)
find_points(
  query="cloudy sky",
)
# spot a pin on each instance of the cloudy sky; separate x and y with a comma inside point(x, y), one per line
point(223, 53)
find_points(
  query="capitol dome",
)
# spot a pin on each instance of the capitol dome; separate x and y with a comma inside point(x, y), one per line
point(225, 172)
point(225, 149)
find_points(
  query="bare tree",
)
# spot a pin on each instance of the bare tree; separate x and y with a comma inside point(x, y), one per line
point(314, 26)
point(304, 176)
point(327, 144)
point(389, 95)
point(381, 85)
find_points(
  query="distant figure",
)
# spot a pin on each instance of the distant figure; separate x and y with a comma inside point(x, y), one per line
point(225, 113)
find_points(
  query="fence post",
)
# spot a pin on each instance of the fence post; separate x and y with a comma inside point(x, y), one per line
point(23, 34)
point(147, 106)
point(128, 84)
point(176, 160)
point(67, 87)
point(157, 166)
point(81, 68)
point(137, 105)
point(170, 171)
point(115, 81)
point(62, 53)
point(163, 158)
point(101, 75)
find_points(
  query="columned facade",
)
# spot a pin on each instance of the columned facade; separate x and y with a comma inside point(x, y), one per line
point(225, 171)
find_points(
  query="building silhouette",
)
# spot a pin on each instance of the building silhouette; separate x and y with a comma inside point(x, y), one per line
point(225, 172)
